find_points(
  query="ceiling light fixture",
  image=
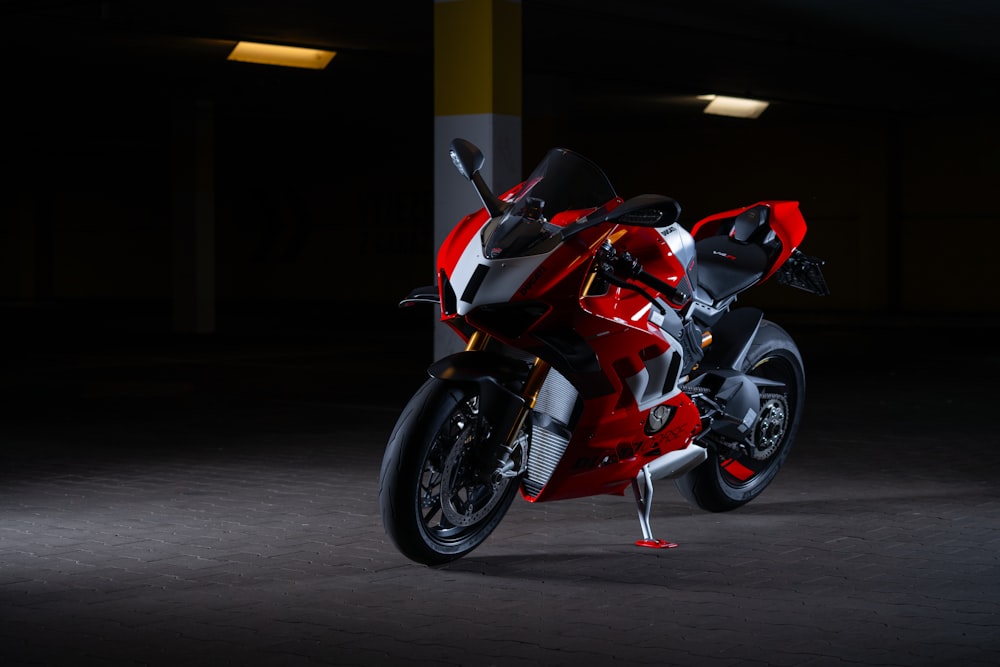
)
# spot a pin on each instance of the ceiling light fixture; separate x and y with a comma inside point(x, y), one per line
point(737, 107)
point(286, 56)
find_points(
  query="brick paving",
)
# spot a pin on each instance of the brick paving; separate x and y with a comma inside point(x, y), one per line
point(195, 506)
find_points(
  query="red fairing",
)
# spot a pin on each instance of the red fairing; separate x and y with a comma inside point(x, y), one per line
point(607, 452)
point(459, 237)
point(786, 220)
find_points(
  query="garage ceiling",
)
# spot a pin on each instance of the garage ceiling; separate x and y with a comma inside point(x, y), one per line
point(838, 55)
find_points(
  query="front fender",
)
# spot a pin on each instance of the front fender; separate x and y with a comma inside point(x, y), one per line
point(499, 379)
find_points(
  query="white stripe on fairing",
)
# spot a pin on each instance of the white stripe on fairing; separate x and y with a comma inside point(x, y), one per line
point(503, 279)
point(642, 312)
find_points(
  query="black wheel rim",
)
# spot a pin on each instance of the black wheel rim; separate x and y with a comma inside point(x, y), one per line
point(457, 492)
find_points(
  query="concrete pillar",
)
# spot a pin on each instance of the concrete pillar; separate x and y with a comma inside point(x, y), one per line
point(477, 96)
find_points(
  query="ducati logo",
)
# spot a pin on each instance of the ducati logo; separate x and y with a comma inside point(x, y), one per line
point(724, 255)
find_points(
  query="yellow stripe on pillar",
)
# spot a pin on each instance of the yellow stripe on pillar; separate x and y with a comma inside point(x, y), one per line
point(477, 57)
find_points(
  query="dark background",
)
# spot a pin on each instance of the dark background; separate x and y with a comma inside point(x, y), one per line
point(176, 498)
point(882, 125)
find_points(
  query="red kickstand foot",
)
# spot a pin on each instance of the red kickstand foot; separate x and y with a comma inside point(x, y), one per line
point(656, 544)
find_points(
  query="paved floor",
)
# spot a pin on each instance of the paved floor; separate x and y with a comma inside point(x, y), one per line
point(199, 502)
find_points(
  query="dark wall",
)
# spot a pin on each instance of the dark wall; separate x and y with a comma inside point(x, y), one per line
point(323, 185)
point(901, 208)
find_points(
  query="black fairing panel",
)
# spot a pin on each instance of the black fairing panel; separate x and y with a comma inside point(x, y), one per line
point(450, 304)
point(508, 320)
point(570, 354)
point(732, 336)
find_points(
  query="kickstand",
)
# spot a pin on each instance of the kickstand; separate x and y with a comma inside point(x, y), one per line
point(644, 503)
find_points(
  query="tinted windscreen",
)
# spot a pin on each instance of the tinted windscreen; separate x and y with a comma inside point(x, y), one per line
point(563, 181)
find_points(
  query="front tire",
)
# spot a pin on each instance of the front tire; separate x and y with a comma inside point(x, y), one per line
point(730, 479)
point(439, 494)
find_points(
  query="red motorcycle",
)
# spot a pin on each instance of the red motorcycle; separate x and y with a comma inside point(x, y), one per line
point(602, 352)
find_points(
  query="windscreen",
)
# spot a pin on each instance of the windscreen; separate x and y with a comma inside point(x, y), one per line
point(563, 181)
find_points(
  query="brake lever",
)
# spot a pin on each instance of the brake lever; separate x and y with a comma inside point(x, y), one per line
point(607, 272)
point(625, 263)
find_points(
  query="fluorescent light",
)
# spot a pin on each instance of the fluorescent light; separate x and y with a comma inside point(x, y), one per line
point(286, 56)
point(738, 107)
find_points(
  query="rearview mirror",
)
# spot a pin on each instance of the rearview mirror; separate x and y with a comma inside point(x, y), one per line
point(467, 157)
point(639, 211)
point(646, 211)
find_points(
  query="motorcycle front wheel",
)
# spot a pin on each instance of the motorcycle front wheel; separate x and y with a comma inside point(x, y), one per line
point(440, 491)
point(728, 478)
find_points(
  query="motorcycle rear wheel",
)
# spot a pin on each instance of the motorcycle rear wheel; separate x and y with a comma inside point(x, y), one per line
point(727, 479)
point(439, 495)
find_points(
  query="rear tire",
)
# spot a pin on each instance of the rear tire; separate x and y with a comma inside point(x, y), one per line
point(727, 479)
point(438, 494)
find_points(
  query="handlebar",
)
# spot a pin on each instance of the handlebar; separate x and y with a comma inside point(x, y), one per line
point(614, 263)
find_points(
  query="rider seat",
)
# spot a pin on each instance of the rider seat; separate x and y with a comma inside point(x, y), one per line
point(738, 255)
